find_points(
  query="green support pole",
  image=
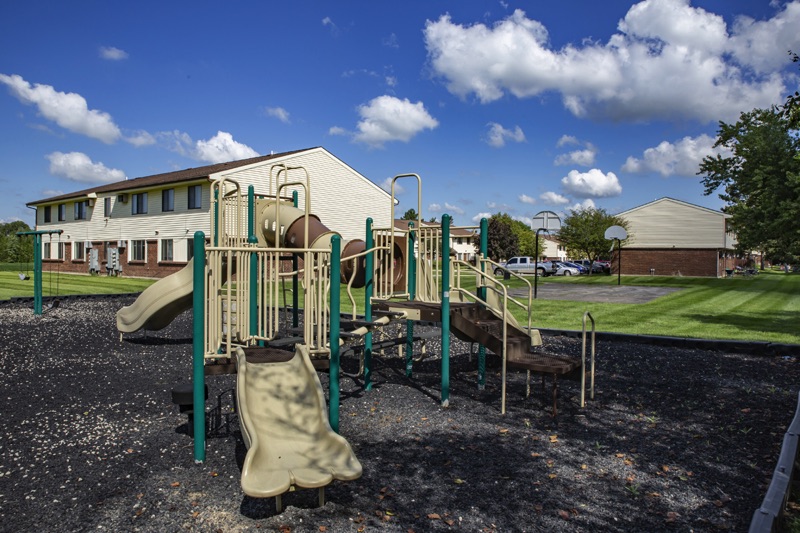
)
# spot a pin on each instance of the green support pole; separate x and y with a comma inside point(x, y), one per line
point(37, 274)
point(198, 348)
point(445, 310)
point(252, 240)
point(333, 371)
point(482, 295)
point(295, 281)
point(369, 278)
point(37, 264)
point(412, 294)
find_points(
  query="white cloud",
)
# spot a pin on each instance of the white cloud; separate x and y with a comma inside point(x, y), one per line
point(279, 113)
point(526, 220)
point(68, 110)
point(661, 48)
point(386, 185)
point(682, 158)
point(552, 198)
point(386, 118)
point(450, 208)
point(77, 166)
point(584, 158)
point(112, 53)
point(327, 21)
point(567, 140)
point(435, 208)
point(141, 138)
point(391, 41)
point(591, 184)
point(498, 134)
point(336, 130)
point(525, 199)
point(580, 206)
point(477, 218)
point(221, 148)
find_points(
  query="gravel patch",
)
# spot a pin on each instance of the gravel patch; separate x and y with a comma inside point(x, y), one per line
point(675, 440)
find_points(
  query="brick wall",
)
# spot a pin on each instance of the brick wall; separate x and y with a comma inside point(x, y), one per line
point(153, 268)
point(669, 262)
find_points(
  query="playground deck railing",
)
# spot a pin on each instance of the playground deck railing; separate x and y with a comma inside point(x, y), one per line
point(243, 291)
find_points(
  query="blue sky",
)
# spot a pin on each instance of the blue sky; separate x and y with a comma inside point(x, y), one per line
point(499, 106)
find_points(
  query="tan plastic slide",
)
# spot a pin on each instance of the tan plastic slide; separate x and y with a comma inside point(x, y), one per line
point(159, 304)
point(284, 422)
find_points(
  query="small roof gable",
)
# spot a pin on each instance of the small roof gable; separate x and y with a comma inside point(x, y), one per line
point(167, 178)
point(673, 200)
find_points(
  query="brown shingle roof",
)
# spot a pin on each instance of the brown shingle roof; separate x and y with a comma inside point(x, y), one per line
point(166, 178)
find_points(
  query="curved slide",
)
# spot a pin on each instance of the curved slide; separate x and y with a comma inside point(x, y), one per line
point(159, 304)
point(284, 423)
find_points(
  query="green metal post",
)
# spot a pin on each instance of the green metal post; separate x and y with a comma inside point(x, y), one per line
point(37, 274)
point(252, 240)
point(412, 294)
point(369, 286)
point(482, 295)
point(295, 281)
point(198, 348)
point(333, 371)
point(445, 310)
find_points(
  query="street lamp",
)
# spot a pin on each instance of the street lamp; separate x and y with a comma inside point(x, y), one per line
point(536, 261)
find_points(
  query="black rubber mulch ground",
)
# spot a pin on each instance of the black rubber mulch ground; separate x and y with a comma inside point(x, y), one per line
point(675, 440)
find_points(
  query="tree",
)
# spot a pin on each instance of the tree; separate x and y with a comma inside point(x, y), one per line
point(583, 232)
point(15, 249)
point(759, 178)
point(411, 214)
point(502, 242)
point(525, 236)
point(791, 109)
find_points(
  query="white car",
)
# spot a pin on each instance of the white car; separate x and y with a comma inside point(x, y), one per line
point(566, 270)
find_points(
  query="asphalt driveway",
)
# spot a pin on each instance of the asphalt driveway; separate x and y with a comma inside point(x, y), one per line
point(621, 294)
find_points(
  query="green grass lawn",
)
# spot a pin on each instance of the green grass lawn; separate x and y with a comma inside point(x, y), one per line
point(765, 307)
point(68, 284)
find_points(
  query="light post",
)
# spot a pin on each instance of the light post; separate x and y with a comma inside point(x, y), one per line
point(536, 261)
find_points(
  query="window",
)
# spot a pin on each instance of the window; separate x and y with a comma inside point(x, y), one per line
point(62, 212)
point(195, 197)
point(47, 216)
point(138, 250)
point(107, 206)
point(166, 249)
point(139, 204)
point(47, 251)
point(81, 209)
point(168, 200)
point(78, 251)
point(61, 251)
point(189, 249)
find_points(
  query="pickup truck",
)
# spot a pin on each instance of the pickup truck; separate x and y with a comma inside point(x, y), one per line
point(526, 265)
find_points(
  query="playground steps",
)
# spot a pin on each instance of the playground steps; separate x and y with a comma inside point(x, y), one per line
point(478, 324)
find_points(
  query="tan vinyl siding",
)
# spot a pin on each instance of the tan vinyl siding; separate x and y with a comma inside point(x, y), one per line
point(668, 223)
point(340, 197)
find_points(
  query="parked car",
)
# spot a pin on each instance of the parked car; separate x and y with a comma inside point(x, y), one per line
point(581, 269)
point(563, 269)
point(526, 265)
point(605, 265)
point(595, 267)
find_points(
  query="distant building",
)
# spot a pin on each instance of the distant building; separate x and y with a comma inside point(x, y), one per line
point(145, 226)
point(670, 237)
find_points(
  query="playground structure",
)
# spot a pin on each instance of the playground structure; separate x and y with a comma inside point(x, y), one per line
point(237, 286)
point(37, 266)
